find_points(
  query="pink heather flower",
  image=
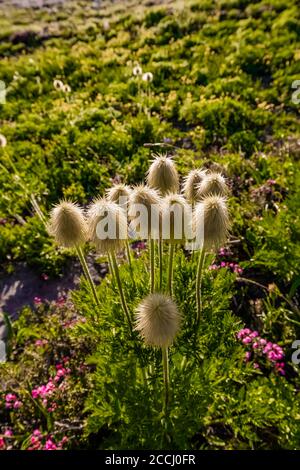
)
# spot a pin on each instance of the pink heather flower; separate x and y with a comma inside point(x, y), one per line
point(18, 404)
point(35, 393)
point(33, 440)
point(272, 356)
point(50, 445)
point(8, 433)
point(254, 334)
point(2, 443)
point(223, 264)
point(255, 365)
point(255, 345)
point(45, 401)
point(41, 342)
point(246, 340)
point(10, 397)
point(271, 182)
point(52, 407)
point(267, 348)
point(262, 342)
point(37, 300)
point(8, 405)
point(37, 433)
point(248, 356)
point(45, 277)
point(213, 267)
point(60, 301)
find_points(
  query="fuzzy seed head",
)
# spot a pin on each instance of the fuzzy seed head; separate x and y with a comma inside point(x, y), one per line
point(147, 77)
point(211, 216)
point(67, 224)
point(176, 214)
point(162, 175)
point(137, 70)
point(191, 184)
point(212, 184)
point(107, 226)
point(149, 199)
point(157, 320)
point(3, 140)
point(119, 193)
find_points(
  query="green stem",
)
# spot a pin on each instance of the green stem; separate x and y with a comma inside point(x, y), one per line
point(119, 283)
point(152, 266)
point(160, 261)
point(87, 274)
point(170, 269)
point(165, 361)
point(128, 254)
point(111, 269)
point(199, 283)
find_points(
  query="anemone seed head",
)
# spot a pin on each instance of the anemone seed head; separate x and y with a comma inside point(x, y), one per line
point(176, 218)
point(211, 216)
point(162, 175)
point(107, 226)
point(157, 320)
point(67, 224)
point(150, 200)
point(191, 183)
point(212, 184)
point(119, 193)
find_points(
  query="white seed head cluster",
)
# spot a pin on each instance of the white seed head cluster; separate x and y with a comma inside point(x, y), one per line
point(157, 320)
point(67, 224)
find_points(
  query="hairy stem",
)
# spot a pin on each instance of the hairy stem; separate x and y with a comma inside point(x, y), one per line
point(160, 261)
point(119, 284)
point(87, 274)
point(152, 265)
point(170, 269)
point(165, 361)
point(199, 284)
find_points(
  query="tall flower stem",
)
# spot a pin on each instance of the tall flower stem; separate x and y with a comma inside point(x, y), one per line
point(152, 264)
point(170, 269)
point(87, 274)
point(165, 362)
point(199, 284)
point(128, 255)
point(160, 261)
point(119, 283)
point(111, 269)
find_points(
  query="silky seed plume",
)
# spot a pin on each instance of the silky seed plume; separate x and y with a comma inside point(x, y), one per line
point(157, 320)
point(191, 184)
point(211, 219)
point(149, 199)
point(119, 193)
point(212, 184)
point(107, 226)
point(176, 217)
point(162, 175)
point(67, 224)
